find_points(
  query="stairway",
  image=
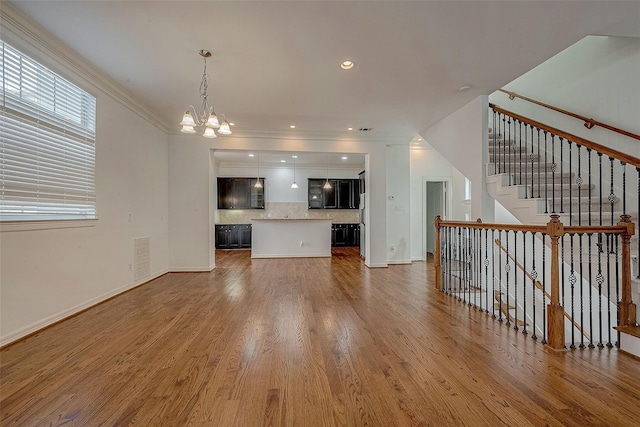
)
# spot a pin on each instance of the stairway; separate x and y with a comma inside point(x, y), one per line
point(531, 190)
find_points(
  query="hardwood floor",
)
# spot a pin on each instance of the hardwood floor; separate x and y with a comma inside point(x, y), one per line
point(304, 342)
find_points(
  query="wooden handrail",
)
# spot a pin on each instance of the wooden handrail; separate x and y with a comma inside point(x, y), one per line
point(588, 123)
point(577, 229)
point(623, 157)
point(539, 286)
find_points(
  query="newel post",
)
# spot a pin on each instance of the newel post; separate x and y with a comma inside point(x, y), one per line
point(437, 254)
point(555, 312)
point(626, 307)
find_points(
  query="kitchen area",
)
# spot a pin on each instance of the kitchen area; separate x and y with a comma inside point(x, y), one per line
point(289, 204)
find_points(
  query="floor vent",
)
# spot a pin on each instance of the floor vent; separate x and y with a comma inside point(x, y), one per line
point(141, 258)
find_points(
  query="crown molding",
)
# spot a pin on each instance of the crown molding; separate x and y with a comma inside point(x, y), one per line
point(379, 137)
point(21, 29)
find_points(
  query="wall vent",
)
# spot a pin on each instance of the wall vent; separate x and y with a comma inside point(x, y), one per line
point(141, 258)
point(365, 129)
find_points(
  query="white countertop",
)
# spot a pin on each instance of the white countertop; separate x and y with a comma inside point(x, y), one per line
point(291, 219)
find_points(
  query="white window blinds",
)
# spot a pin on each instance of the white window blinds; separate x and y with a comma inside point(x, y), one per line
point(47, 143)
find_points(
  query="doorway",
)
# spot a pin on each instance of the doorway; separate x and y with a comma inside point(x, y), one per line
point(435, 204)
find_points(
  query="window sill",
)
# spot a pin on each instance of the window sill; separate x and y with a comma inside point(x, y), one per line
point(6, 226)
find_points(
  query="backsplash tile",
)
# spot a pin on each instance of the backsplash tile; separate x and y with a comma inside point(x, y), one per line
point(285, 210)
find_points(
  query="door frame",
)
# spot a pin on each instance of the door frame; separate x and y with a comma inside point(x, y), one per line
point(448, 199)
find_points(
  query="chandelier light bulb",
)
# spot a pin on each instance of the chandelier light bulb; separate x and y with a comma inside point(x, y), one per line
point(209, 133)
point(258, 184)
point(327, 185)
point(224, 128)
point(294, 185)
point(187, 120)
point(187, 129)
point(212, 122)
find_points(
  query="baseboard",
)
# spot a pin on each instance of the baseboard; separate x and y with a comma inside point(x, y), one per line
point(318, 255)
point(399, 262)
point(417, 259)
point(192, 269)
point(59, 317)
point(377, 265)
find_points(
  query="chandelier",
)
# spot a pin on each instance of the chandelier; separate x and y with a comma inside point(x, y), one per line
point(207, 116)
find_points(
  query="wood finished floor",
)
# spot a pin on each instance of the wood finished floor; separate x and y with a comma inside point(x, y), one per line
point(304, 342)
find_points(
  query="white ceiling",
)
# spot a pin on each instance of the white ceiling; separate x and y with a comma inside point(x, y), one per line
point(281, 158)
point(277, 63)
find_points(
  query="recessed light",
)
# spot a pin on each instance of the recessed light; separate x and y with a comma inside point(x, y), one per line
point(344, 157)
point(232, 124)
point(349, 128)
point(464, 88)
point(283, 161)
point(420, 139)
point(347, 65)
point(294, 157)
point(292, 126)
point(251, 155)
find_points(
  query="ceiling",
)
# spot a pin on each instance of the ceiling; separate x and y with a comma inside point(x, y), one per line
point(276, 64)
point(281, 158)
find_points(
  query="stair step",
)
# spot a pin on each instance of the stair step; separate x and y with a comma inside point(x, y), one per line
point(497, 306)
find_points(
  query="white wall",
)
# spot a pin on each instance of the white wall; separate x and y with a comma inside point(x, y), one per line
point(596, 77)
point(46, 275)
point(462, 139)
point(398, 205)
point(191, 190)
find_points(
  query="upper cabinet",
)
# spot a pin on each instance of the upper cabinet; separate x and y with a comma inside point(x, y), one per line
point(343, 194)
point(240, 193)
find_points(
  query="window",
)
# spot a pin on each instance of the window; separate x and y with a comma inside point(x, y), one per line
point(467, 189)
point(47, 143)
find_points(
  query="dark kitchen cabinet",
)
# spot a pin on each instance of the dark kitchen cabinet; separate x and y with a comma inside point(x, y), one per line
point(240, 193)
point(345, 235)
point(233, 236)
point(343, 194)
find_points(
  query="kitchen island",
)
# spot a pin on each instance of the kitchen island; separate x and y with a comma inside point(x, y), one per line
point(290, 237)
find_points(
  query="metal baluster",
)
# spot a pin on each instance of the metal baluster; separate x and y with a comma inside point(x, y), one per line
point(539, 176)
point(612, 196)
point(589, 196)
point(524, 283)
point(546, 170)
point(562, 273)
point(451, 242)
point(500, 276)
point(459, 256)
point(581, 291)
point(609, 344)
point(590, 235)
point(486, 269)
point(520, 152)
point(507, 267)
point(532, 158)
point(615, 237)
point(495, 141)
point(600, 280)
point(553, 174)
point(511, 150)
point(534, 276)
point(579, 183)
point(572, 281)
point(570, 185)
point(504, 144)
point(515, 279)
point(562, 179)
point(600, 199)
point(624, 188)
point(493, 273)
point(544, 289)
